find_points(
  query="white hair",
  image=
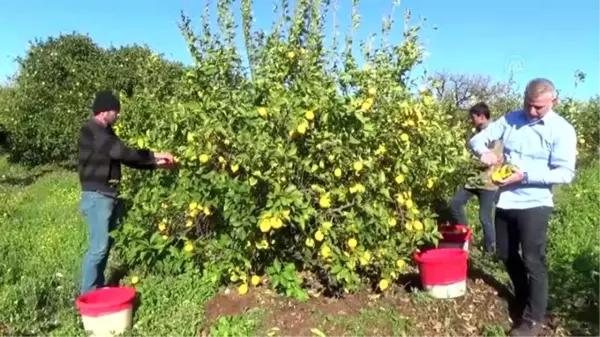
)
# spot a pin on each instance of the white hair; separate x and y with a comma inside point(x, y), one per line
point(539, 87)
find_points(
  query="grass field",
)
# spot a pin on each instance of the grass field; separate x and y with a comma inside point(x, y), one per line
point(43, 239)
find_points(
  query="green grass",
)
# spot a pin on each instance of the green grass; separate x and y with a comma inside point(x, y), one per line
point(44, 237)
point(42, 243)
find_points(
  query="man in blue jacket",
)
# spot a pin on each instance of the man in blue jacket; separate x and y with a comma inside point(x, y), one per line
point(542, 145)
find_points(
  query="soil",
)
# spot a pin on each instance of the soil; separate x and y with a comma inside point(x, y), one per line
point(481, 308)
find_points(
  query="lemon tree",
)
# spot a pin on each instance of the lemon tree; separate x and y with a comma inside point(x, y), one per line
point(303, 159)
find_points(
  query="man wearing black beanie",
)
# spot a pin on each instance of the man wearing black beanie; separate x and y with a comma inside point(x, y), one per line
point(101, 154)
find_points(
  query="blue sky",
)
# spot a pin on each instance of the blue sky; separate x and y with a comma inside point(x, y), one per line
point(535, 38)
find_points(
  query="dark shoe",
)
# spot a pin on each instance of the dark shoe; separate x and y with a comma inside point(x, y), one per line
point(526, 328)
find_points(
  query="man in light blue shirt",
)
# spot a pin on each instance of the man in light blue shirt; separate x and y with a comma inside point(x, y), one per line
point(542, 145)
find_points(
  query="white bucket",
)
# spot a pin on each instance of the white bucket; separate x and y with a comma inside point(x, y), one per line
point(107, 311)
point(447, 291)
point(464, 246)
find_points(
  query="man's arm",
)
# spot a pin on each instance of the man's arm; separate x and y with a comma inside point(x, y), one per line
point(562, 161)
point(117, 150)
point(493, 132)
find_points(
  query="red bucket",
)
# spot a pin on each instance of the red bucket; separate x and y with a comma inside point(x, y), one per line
point(443, 271)
point(107, 311)
point(455, 236)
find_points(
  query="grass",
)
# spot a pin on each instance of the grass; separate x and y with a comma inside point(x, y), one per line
point(44, 238)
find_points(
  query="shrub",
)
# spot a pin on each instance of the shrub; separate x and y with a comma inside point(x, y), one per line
point(307, 163)
point(56, 83)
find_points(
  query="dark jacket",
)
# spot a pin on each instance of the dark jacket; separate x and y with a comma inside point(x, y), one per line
point(101, 154)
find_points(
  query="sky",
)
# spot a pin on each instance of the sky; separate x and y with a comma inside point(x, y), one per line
point(530, 38)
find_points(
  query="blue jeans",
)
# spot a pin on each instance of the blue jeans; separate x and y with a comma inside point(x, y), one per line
point(487, 200)
point(102, 214)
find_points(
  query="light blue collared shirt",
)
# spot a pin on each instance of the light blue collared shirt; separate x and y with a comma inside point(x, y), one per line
point(543, 149)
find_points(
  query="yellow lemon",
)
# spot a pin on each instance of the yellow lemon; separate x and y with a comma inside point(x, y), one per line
point(352, 243)
point(429, 183)
point(302, 128)
point(165, 237)
point(418, 225)
point(319, 236)
point(310, 242)
point(286, 213)
point(135, 280)
point(193, 206)
point(255, 280)
point(325, 251)
point(262, 112)
point(358, 166)
point(162, 226)
point(327, 225)
point(404, 137)
point(365, 258)
point(581, 141)
point(193, 213)
point(221, 160)
point(337, 173)
point(207, 211)
point(204, 158)
point(243, 289)
point(309, 115)
point(189, 223)
point(291, 55)
point(372, 91)
point(235, 168)
point(263, 244)
point(392, 222)
point(409, 203)
point(400, 264)
point(325, 201)
point(409, 226)
point(384, 284)
point(400, 199)
point(265, 225)
point(400, 178)
point(276, 222)
point(188, 247)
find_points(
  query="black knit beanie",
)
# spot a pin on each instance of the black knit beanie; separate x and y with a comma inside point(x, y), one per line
point(105, 101)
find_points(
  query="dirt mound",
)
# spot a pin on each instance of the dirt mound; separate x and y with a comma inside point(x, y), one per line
point(398, 312)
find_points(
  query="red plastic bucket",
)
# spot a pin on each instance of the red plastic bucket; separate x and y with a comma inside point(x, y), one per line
point(443, 271)
point(455, 236)
point(107, 311)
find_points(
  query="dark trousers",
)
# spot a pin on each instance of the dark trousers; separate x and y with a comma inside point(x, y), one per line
point(525, 228)
point(487, 199)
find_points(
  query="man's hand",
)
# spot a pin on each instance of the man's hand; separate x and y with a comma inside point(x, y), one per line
point(164, 156)
point(164, 160)
point(489, 158)
point(516, 177)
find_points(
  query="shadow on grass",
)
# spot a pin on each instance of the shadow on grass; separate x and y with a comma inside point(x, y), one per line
point(25, 180)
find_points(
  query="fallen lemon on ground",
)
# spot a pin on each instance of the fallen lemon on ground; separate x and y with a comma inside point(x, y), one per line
point(255, 280)
point(384, 284)
point(243, 289)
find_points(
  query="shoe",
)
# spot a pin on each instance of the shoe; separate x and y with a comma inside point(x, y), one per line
point(526, 328)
